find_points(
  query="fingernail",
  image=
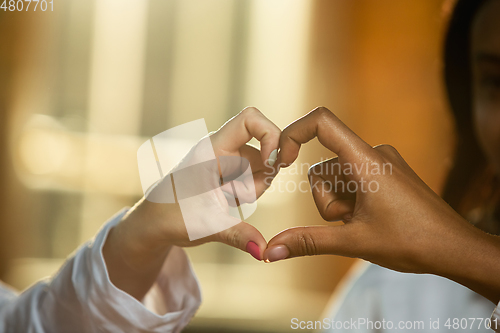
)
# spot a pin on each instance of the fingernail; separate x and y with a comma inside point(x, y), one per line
point(254, 250)
point(276, 253)
point(272, 157)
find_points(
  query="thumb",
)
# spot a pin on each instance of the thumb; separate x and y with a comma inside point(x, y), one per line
point(245, 237)
point(310, 241)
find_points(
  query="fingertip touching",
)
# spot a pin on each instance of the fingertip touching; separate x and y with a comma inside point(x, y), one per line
point(265, 131)
point(246, 238)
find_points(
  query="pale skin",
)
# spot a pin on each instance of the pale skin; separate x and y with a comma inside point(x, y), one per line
point(137, 247)
point(403, 226)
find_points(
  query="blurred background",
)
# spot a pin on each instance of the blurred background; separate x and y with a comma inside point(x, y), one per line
point(82, 86)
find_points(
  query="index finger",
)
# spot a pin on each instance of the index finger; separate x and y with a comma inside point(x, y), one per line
point(249, 123)
point(331, 133)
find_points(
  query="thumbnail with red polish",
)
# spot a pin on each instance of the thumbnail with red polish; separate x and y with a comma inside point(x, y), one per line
point(254, 250)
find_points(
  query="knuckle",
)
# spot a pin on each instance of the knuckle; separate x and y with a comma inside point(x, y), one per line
point(387, 153)
point(322, 213)
point(324, 207)
point(322, 112)
point(234, 238)
point(250, 110)
point(273, 133)
point(306, 243)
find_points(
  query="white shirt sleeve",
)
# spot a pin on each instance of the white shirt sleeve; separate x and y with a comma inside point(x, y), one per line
point(81, 298)
point(495, 319)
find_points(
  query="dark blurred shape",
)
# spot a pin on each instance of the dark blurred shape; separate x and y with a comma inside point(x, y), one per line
point(470, 183)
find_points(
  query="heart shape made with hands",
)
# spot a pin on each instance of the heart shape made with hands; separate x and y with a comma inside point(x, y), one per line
point(401, 227)
point(218, 182)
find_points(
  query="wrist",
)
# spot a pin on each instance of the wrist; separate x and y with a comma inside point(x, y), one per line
point(133, 252)
point(471, 259)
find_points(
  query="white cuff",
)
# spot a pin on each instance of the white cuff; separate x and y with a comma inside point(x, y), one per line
point(495, 319)
point(167, 307)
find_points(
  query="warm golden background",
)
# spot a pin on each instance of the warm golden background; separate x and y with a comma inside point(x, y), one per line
point(83, 86)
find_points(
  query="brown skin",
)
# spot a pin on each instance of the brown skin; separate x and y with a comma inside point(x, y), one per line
point(403, 226)
point(137, 247)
